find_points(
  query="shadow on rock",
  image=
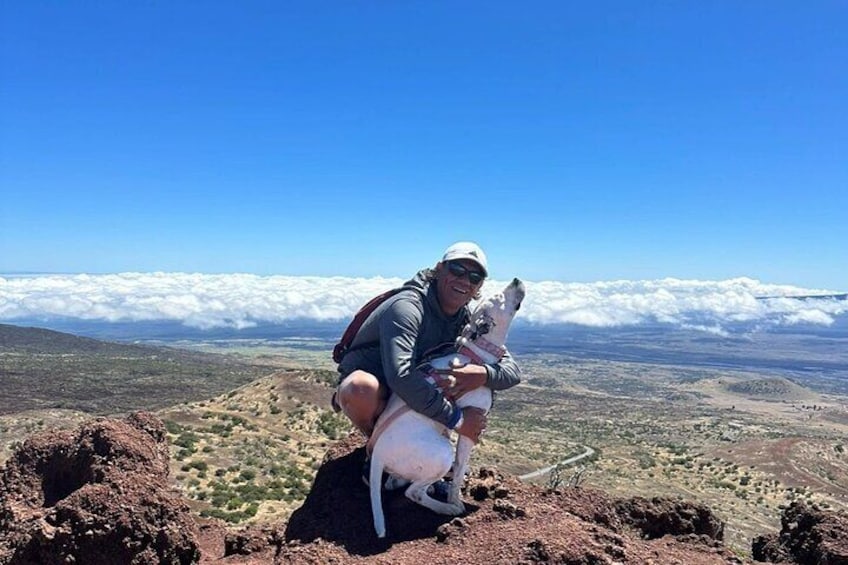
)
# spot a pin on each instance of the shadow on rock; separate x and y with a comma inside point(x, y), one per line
point(338, 508)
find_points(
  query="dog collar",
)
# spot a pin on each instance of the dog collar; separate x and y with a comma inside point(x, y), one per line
point(471, 354)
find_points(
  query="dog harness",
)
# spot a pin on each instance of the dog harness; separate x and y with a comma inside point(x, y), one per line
point(472, 350)
point(440, 380)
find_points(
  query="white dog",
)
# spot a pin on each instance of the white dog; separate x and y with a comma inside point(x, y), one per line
point(413, 447)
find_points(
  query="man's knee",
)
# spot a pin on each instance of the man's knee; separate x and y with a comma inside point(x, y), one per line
point(360, 397)
point(360, 391)
point(358, 386)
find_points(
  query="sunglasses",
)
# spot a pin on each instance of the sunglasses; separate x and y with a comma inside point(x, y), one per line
point(458, 270)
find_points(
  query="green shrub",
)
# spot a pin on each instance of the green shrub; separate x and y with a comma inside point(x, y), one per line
point(173, 427)
point(199, 465)
point(187, 439)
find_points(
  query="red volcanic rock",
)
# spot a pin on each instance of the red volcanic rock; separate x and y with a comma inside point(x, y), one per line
point(658, 517)
point(100, 495)
point(507, 521)
point(807, 535)
point(97, 495)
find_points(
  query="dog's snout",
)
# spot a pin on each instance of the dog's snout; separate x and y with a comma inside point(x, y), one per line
point(519, 287)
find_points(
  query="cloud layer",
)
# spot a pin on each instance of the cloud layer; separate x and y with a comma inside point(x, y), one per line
point(242, 300)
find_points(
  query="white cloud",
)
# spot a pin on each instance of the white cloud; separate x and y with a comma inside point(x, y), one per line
point(242, 300)
point(812, 316)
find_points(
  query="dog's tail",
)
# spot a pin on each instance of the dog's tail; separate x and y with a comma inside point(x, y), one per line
point(375, 478)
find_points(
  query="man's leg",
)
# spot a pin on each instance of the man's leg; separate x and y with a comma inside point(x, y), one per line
point(362, 399)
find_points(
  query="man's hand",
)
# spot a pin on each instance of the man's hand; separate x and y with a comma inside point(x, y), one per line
point(473, 423)
point(468, 377)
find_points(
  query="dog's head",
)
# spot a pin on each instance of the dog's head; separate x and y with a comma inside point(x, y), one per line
point(492, 316)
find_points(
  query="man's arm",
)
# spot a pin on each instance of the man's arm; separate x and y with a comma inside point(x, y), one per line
point(399, 329)
point(505, 374)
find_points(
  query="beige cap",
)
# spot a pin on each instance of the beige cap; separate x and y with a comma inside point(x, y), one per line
point(467, 250)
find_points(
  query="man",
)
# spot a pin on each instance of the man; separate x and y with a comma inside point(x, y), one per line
point(411, 327)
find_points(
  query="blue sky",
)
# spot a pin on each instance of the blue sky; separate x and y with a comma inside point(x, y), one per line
point(574, 141)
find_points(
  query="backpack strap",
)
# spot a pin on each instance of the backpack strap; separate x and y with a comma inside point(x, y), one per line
point(344, 344)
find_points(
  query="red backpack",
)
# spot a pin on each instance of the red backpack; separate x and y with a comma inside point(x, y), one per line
point(343, 346)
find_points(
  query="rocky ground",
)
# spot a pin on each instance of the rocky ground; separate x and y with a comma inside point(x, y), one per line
point(100, 495)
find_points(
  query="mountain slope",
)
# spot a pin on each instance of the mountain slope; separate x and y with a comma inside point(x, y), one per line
point(17, 339)
point(42, 369)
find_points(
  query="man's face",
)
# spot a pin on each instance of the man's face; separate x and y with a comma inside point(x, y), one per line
point(454, 286)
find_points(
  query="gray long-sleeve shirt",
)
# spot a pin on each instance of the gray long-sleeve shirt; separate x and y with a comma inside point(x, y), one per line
point(403, 332)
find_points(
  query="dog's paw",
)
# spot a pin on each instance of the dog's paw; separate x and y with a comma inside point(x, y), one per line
point(455, 497)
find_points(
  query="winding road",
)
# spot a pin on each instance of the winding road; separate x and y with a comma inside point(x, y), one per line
point(538, 473)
